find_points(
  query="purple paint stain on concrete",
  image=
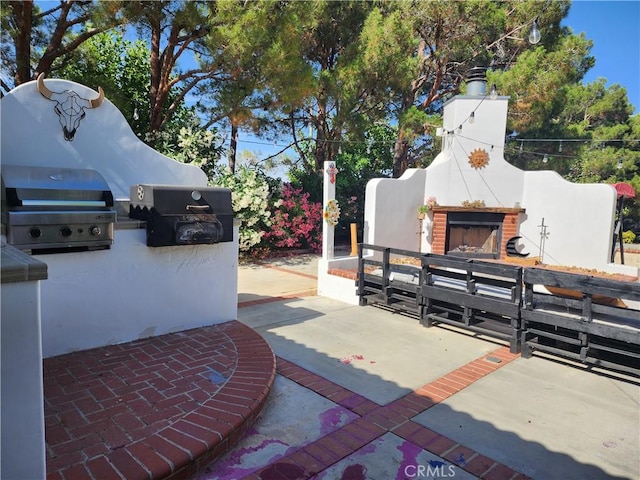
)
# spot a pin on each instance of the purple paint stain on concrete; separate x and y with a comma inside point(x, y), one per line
point(410, 454)
point(354, 472)
point(332, 418)
point(227, 468)
point(278, 471)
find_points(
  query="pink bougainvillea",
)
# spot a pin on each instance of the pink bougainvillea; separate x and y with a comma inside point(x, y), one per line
point(295, 221)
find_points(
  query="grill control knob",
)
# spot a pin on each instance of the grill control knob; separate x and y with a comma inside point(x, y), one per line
point(35, 232)
point(95, 231)
point(66, 231)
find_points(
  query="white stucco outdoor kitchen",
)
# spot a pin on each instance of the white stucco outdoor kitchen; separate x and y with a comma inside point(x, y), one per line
point(103, 296)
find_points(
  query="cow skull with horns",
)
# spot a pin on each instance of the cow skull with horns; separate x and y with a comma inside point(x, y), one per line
point(70, 107)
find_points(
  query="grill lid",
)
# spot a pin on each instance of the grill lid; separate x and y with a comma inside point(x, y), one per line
point(175, 200)
point(52, 187)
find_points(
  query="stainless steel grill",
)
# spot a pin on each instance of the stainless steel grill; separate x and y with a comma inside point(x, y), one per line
point(56, 209)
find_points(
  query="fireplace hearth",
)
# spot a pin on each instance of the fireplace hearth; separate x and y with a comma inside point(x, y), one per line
point(474, 232)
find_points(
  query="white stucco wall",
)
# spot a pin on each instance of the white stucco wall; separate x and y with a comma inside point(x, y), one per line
point(391, 210)
point(23, 442)
point(130, 291)
point(579, 219)
point(32, 135)
point(333, 286)
point(133, 291)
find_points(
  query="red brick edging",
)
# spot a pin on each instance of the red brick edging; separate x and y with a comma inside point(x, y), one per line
point(396, 417)
point(114, 416)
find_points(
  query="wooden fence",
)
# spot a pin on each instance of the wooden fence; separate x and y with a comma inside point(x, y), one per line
point(581, 317)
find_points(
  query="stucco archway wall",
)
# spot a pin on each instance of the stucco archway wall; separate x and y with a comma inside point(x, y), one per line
point(32, 135)
point(129, 291)
point(391, 210)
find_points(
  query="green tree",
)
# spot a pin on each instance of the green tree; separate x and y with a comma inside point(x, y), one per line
point(34, 40)
point(584, 131)
point(184, 140)
point(252, 50)
point(174, 30)
point(333, 90)
point(450, 38)
point(361, 159)
point(121, 68)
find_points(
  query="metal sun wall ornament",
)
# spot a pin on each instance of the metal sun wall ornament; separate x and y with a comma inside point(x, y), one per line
point(70, 107)
point(478, 158)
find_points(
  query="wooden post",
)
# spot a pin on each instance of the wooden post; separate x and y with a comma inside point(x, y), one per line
point(354, 240)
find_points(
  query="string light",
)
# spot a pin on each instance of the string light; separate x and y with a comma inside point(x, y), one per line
point(534, 33)
point(494, 92)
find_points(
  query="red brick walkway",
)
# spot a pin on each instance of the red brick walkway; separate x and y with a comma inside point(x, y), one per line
point(154, 408)
point(396, 417)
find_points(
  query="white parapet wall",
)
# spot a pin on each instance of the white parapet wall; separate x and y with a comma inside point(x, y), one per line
point(391, 210)
point(579, 220)
point(103, 141)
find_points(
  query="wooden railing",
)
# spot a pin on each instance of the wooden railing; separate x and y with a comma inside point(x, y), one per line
point(580, 317)
point(483, 297)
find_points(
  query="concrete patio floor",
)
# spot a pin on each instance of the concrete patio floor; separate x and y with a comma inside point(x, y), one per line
point(362, 392)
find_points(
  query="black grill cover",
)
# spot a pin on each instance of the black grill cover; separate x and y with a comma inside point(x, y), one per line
point(183, 215)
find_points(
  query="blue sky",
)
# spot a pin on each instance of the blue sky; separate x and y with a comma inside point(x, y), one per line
point(614, 28)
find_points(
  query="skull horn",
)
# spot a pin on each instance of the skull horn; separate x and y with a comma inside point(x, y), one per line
point(42, 89)
point(95, 103)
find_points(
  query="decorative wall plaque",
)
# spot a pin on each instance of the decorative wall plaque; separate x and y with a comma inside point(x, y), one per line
point(478, 158)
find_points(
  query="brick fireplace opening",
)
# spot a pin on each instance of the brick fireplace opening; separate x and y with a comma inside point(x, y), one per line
point(473, 232)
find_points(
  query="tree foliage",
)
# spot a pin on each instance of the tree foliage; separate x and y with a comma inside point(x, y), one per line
point(121, 68)
point(33, 39)
point(173, 29)
point(358, 82)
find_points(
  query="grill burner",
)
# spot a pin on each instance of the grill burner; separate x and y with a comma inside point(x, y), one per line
point(178, 215)
point(56, 209)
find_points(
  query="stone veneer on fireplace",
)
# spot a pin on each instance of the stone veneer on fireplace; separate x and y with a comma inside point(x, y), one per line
point(509, 227)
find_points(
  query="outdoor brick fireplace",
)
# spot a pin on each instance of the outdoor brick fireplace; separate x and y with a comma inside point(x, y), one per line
point(473, 232)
